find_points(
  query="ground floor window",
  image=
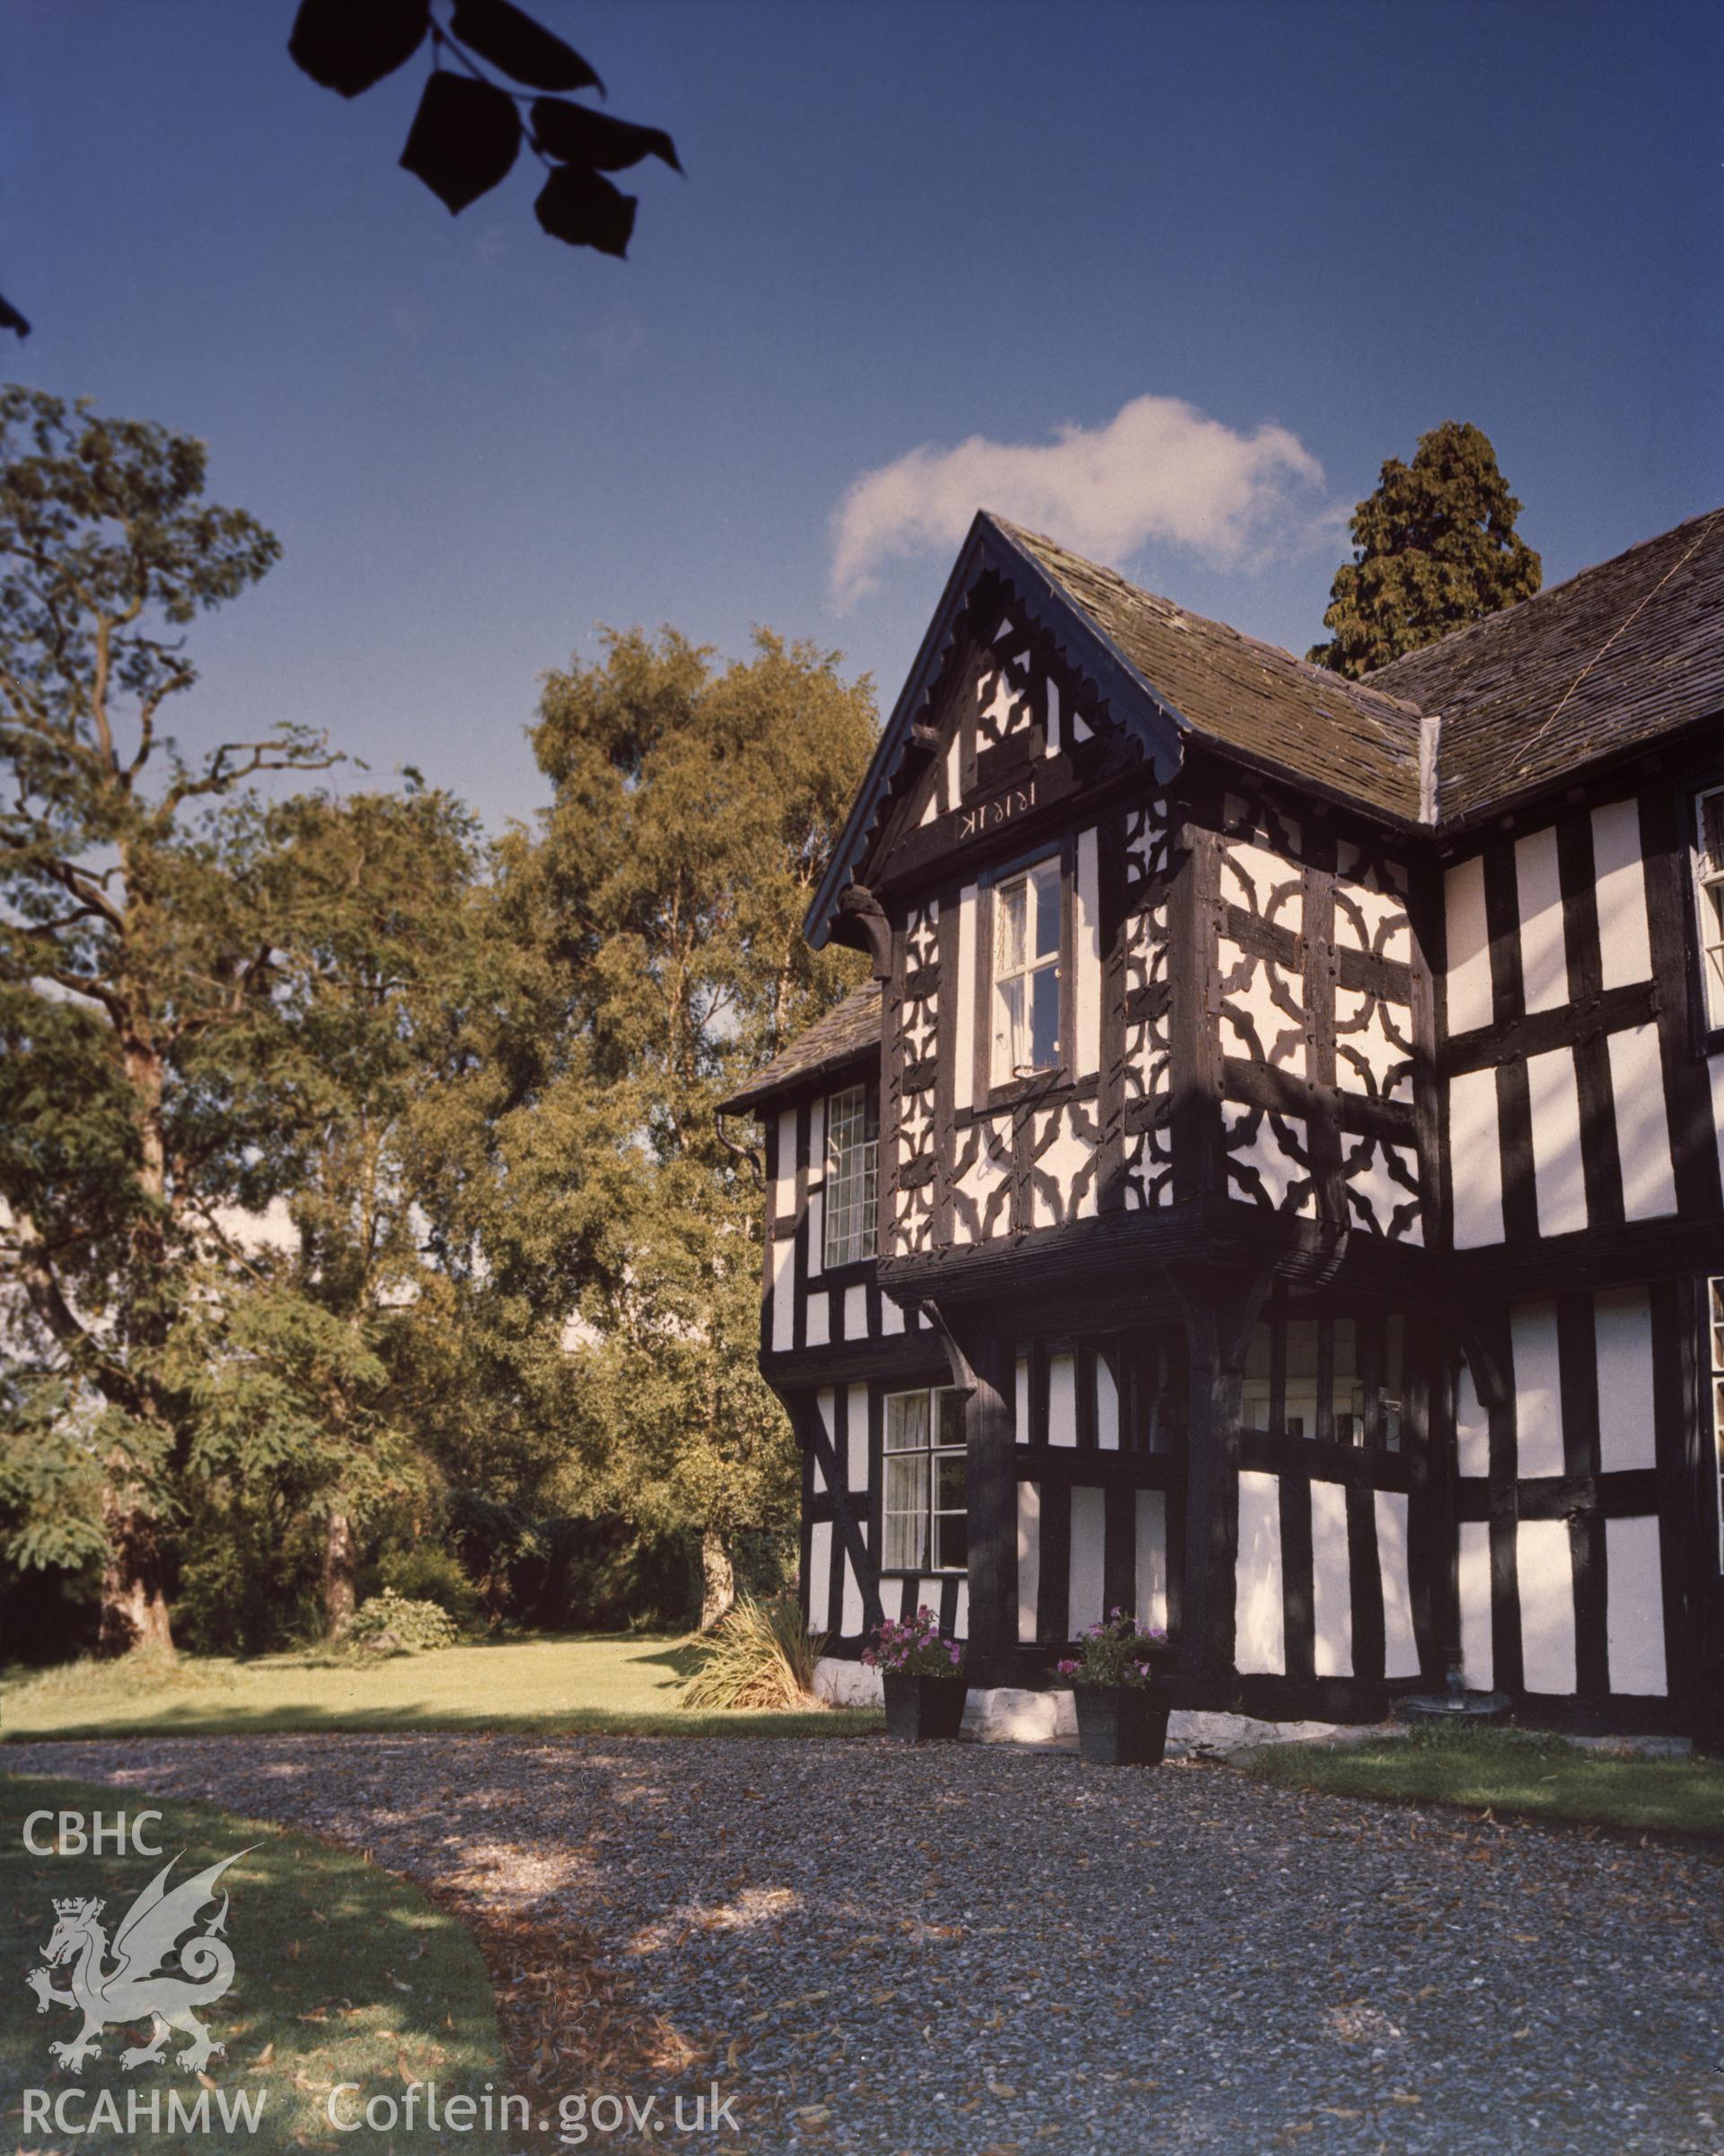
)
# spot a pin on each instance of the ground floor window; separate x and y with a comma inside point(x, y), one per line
point(927, 1524)
point(1317, 1371)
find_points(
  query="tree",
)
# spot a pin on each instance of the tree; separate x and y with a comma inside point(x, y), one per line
point(1435, 548)
point(468, 130)
point(381, 975)
point(695, 811)
point(132, 941)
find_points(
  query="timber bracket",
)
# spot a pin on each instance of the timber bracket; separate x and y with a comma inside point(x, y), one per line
point(859, 905)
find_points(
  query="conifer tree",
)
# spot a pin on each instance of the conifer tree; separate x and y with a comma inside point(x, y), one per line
point(1435, 546)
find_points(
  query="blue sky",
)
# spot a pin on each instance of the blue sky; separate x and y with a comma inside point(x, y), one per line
point(1307, 232)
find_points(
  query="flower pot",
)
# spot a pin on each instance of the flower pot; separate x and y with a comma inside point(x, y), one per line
point(921, 1709)
point(1122, 1725)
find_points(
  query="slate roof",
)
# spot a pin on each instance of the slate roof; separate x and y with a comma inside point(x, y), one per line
point(1621, 653)
point(848, 1031)
point(1279, 713)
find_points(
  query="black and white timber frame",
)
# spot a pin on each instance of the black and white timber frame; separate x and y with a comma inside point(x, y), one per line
point(1338, 1301)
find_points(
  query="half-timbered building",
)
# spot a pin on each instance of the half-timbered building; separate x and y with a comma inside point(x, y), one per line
point(1271, 1182)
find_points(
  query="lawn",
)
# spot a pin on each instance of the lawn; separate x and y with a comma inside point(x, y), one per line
point(1514, 1775)
point(342, 1972)
point(605, 1685)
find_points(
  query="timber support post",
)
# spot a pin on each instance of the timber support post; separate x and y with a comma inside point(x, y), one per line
point(1219, 1307)
point(982, 1360)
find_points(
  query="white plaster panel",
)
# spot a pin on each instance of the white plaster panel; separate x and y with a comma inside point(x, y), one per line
point(1715, 1068)
point(1021, 1402)
point(856, 1438)
point(1553, 1095)
point(1261, 1018)
point(1063, 1180)
point(1150, 1573)
point(1107, 1407)
point(1087, 952)
point(1624, 944)
point(1259, 1617)
point(1089, 1514)
point(1622, 1324)
point(1262, 882)
point(817, 1140)
point(1634, 1607)
point(1332, 1581)
point(784, 1183)
point(1642, 1124)
point(1280, 1167)
point(824, 1408)
point(850, 1624)
point(1475, 1151)
point(964, 1011)
point(1400, 1647)
point(784, 1293)
point(817, 1327)
point(816, 1233)
point(819, 1576)
point(1369, 918)
point(1468, 975)
point(961, 1611)
point(1472, 1427)
point(1063, 1399)
point(892, 1316)
point(1538, 1390)
point(1546, 1568)
point(1543, 959)
point(1478, 1656)
point(1029, 1557)
point(856, 1314)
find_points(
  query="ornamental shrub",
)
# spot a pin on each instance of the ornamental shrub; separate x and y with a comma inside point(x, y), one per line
point(914, 1648)
point(411, 1627)
point(1114, 1653)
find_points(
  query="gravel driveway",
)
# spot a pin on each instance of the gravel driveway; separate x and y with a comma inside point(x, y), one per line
point(967, 1951)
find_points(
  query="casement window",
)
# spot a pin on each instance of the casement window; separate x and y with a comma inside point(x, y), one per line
point(1715, 1331)
point(1313, 1372)
point(852, 1165)
point(926, 1522)
point(1027, 919)
point(1709, 875)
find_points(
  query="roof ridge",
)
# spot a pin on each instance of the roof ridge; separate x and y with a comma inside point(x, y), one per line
point(1323, 676)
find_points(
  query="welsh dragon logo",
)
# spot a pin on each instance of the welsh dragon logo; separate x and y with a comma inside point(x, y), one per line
point(135, 1988)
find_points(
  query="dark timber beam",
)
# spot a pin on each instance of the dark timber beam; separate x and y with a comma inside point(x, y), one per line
point(1220, 1307)
point(982, 1359)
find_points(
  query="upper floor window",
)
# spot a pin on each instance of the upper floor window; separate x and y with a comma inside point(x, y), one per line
point(852, 1152)
point(1027, 973)
point(1708, 812)
point(926, 1527)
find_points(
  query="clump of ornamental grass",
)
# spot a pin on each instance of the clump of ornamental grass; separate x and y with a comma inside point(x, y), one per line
point(761, 1655)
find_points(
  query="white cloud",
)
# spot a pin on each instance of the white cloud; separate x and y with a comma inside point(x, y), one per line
point(1159, 470)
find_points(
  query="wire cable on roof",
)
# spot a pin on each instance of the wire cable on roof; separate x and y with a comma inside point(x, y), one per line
point(1620, 629)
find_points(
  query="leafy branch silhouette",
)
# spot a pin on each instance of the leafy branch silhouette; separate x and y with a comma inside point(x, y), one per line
point(469, 128)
